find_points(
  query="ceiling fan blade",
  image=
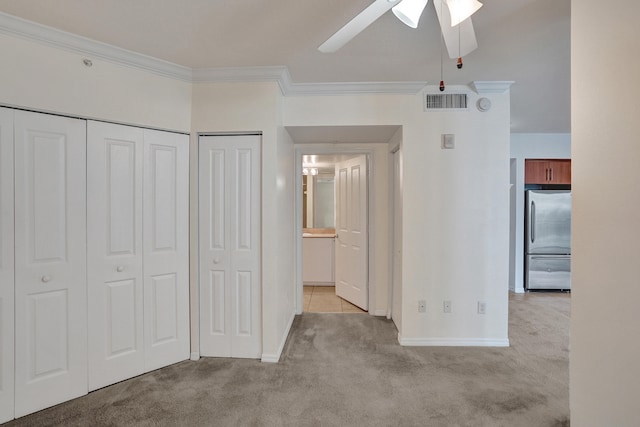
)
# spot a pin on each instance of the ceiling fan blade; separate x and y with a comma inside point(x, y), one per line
point(459, 41)
point(356, 25)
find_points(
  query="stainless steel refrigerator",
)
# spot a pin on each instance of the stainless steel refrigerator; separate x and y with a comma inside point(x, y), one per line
point(548, 239)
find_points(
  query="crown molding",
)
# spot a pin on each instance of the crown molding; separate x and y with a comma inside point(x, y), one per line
point(400, 88)
point(280, 74)
point(32, 31)
point(489, 87)
point(42, 34)
point(240, 74)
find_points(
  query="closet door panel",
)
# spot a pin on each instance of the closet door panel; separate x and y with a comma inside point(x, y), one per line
point(6, 265)
point(229, 248)
point(245, 246)
point(214, 235)
point(166, 252)
point(50, 261)
point(114, 221)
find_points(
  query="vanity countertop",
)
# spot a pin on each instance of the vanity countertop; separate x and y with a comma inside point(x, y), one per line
point(319, 232)
point(325, 235)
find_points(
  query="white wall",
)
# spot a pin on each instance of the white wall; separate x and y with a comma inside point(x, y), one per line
point(528, 146)
point(455, 213)
point(43, 78)
point(456, 225)
point(395, 242)
point(285, 298)
point(246, 107)
point(605, 344)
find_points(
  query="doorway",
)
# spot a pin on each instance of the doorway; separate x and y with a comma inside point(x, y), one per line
point(375, 142)
point(333, 240)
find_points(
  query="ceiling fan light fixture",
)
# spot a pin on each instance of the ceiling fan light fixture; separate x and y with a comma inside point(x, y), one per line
point(409, 11)
point(462, 9)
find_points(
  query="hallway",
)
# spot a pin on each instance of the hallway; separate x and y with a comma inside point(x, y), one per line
point(323, 299)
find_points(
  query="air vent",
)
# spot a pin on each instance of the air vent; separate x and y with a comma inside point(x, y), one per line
point(445, 101)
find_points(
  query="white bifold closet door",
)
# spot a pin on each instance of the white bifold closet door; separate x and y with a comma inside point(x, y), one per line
point(50, 261)
point(138, 251)
point(114, 231)
point(6, 265)
point(166, 248)
point(229, 246)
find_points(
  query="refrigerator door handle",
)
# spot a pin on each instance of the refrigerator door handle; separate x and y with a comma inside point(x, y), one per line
point(532, 226)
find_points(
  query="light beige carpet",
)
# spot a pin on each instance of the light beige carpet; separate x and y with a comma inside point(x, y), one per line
point(348, 370)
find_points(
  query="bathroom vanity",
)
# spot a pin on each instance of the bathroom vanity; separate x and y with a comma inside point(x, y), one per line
point(318, 254)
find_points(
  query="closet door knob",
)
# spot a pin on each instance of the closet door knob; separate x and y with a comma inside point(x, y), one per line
point(45, 278)
point(120, 268)
point(216, 260)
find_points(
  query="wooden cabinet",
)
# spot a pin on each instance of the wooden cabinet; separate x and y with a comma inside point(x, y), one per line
point(547, 171)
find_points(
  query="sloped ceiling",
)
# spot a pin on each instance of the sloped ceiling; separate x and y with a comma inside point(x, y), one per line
point(526, 41)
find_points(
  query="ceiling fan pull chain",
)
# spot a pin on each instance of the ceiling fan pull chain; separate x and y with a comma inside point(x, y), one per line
point(459, 64)
point(441, 66)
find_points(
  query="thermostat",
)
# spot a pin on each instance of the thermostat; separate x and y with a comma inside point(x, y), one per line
point(448, 141)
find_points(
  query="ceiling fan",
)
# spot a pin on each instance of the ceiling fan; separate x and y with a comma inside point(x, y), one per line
point(453, 15)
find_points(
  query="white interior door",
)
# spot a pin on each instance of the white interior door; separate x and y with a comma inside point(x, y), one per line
point(6, 265)
point(50, 261)
point(166, 248)
point(114, 253)
point(351, 228)
point(229, 233)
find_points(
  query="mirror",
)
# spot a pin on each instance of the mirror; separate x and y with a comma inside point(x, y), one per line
point(323, 202)
point(318, 199)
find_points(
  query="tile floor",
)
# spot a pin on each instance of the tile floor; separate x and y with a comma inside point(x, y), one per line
point(323, 299)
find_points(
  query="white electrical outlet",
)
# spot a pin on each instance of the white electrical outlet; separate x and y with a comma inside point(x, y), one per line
point(447, 306)
point(422, 306)
point(482, 307)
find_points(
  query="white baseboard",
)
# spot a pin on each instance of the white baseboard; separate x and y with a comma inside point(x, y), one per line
point(453, 342)
point(275, 358)
point(195, 356)
point(380, 312)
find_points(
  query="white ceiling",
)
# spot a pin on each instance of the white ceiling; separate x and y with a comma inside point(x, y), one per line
point(527, 41)
point(326, 163)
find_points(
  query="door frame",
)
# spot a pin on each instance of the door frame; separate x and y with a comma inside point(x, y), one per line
point(329, 149)
point(395, 169)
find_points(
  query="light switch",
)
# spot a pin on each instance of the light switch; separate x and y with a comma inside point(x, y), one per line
point(448, 141)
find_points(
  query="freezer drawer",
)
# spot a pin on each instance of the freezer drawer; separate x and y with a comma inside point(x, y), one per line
point(548, 272)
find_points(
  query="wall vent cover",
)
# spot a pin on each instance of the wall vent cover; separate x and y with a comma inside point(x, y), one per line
point(445, 101)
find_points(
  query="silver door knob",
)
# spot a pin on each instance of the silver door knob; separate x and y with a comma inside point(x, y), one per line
point(45, 279)
point(120, 268)
point(216, 260)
